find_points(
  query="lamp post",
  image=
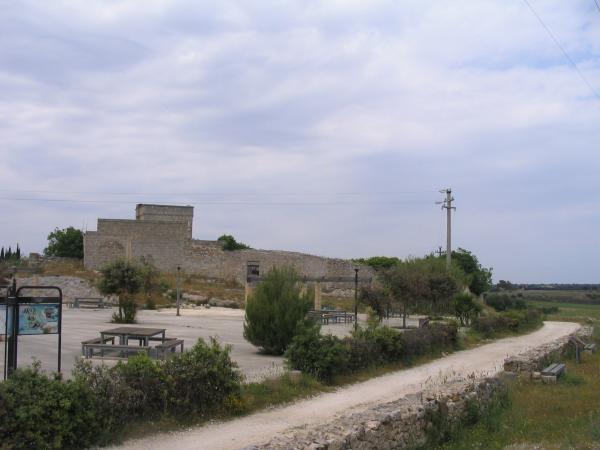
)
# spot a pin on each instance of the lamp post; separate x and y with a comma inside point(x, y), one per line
point(178, 289)
point(355, 298)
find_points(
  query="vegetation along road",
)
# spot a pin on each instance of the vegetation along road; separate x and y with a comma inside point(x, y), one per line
point(260, 427)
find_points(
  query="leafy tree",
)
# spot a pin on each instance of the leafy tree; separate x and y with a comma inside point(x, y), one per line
point(465, 308)
point(276, 311)
point(123, 278)
point(379, 262)
point(505, 285)
point(377, 298)
point(408, 286)
point(230, 244)
point(480, 277)
point(67, 242)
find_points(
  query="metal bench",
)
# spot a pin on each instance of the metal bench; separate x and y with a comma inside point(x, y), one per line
point(551, 373)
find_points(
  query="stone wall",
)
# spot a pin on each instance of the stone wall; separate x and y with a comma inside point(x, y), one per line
point(161, 235)
point(72, 287)
point(209, 259)
point(417, 419)
point(160, 243)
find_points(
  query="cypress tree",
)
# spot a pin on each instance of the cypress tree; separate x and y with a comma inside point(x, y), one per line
point(18, 252)
point(2, 254)
point(8, 253)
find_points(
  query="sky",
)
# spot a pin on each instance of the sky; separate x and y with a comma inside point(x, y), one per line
point(326, 127)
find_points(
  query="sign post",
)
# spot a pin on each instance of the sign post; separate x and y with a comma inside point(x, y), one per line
point(31, 316)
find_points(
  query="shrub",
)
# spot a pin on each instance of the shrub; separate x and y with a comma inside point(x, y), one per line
point(465, 308)
point(513, 320)
point(202, 379)
point(230, 244)
point(146, 380)
point(321, 356)
point(327, 356)
point(124, 278)
point(504, 302)
point(276, 311)
point(115, 401)
point(39, 412)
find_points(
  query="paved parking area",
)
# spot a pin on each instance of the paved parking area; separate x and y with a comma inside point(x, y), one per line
point(223, 323)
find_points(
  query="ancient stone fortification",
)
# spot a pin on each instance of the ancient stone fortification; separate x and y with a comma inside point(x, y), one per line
point(162, 235)
point(415, 419)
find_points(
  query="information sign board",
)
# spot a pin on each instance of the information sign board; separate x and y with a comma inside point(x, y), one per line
point(38, 318)
point(4, 317)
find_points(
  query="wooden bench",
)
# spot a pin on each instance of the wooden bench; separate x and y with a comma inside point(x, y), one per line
point(551, 373)
point(90, 342)
point(113, 351)
point(168, 346)
point(85, 302)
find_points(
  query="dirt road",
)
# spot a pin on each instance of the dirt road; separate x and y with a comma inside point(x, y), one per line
point(260, 427)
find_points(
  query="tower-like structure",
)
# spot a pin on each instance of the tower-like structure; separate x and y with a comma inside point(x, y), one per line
point(166, 213)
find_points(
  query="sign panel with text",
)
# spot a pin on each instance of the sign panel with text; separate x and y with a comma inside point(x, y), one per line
point(38, 318)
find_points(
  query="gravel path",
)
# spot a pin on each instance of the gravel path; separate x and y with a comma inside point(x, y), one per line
point(260, 427)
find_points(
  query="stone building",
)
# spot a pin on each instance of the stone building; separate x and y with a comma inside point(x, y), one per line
point(162, 236)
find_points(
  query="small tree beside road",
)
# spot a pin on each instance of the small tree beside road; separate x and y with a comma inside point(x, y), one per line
point(276, 311)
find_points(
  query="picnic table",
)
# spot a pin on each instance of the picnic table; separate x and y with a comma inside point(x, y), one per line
point(143, 335)
point(122, 349)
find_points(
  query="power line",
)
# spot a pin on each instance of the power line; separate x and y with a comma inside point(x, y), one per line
point(199, 194)
point(597, 4)
point(238, 203)
point(562, 49)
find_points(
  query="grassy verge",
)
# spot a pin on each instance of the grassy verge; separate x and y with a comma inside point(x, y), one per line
point(571, 312)
point(565, 415)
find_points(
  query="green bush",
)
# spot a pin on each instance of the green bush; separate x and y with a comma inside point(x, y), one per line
point(513, 321)
point(123, 278)
point(328, 356)
point(465, 308)
point(504, 302)
point(39, 412)
point(201, 380)
point(276, 311)
point(230, 244)
point(321, 356)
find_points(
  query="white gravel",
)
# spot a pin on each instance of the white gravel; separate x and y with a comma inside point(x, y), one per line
point(260, 427)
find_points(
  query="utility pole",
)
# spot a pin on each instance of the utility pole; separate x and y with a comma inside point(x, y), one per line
point(178, 289)
point(447, 204)
point(355, 299)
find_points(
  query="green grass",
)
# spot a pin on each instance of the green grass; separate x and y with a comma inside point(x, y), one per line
point(571, 312)
point(565, 415)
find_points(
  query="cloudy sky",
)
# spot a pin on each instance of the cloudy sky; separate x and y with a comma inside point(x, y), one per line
point(319, 126)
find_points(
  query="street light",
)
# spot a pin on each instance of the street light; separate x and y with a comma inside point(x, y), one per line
point(178, 289)
point(355, 298)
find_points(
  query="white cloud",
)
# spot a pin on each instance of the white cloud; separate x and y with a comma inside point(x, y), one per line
point(311, 98)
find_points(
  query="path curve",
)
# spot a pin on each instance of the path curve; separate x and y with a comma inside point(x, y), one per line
point(262, 426)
